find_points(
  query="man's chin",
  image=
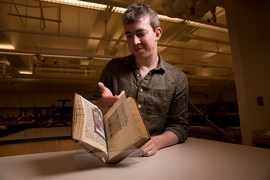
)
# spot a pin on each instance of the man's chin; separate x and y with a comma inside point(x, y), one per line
point(140, 54)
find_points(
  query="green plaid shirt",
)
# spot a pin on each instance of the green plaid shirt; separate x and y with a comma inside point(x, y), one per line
point(162, 95)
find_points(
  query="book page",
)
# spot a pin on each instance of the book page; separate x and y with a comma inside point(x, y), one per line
point(125, 129)
point(92, 131)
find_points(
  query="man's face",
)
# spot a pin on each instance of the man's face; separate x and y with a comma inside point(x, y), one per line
point(141, 39)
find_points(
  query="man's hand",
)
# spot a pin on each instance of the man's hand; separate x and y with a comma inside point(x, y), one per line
point(150, 148)
point(107, 98)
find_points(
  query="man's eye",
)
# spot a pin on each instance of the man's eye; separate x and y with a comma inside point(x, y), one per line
point(128, 35)
point(140, 34)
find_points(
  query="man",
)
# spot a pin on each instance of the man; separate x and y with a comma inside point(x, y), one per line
point(161, 90)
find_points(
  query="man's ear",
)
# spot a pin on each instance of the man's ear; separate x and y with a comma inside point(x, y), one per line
point(158, 33)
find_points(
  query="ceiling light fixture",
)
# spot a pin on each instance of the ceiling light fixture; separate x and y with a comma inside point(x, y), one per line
point(192, 23)
point(83, 4)
point(6, 46)
point(207, 26)
point(17, 53)
point(169, 19)
point(102, 58)
point(115, 9)
point(25, 71)
point(63, 56)
point(118, 10)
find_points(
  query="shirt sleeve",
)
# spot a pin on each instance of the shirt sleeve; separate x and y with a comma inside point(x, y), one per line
point(177, 121)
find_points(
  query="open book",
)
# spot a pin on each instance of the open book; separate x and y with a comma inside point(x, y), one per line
point(111, 137)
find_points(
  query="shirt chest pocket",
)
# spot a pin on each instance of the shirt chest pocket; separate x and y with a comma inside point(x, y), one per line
point(158, 102)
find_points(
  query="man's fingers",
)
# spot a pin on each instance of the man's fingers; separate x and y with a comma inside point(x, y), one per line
point(103, 89)
point(101, 86)
point(121, 93)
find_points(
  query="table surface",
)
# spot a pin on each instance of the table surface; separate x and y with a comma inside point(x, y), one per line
point(196, 159)
point(34, 134)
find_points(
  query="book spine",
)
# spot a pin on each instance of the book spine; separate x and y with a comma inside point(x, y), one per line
point(78, 116)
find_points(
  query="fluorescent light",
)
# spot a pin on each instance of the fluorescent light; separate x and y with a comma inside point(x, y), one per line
point(25, 71)
point(17, 53)
point(82, 4)
point(115, 9)
point(206, 26)
point(207, 55)
point(192, 23)
point(169, 19)
point(6, 46)
point(118, 10)
point(102, 58)
point(63, 56)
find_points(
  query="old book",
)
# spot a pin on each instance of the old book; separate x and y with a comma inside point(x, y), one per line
point(111, 137)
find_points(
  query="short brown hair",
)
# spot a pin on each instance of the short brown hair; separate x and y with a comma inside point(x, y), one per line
point(140, 10)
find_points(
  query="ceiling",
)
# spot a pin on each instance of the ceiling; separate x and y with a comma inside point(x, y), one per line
point(90, 37)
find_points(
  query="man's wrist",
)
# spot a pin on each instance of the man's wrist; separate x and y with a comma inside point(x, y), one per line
point(166, 139)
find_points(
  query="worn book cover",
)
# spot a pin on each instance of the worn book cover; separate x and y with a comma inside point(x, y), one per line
point(111, 137)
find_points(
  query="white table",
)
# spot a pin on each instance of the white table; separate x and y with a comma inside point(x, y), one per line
point(35, 134)
point(194, 160)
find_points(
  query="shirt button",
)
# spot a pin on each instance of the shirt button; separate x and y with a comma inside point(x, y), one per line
point(139, 106)
point(138, 75)
point(141, 90)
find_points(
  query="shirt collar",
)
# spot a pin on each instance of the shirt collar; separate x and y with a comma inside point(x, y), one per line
point(130, 61)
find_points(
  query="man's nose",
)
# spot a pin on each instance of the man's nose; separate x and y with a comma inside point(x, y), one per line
point(136, 40)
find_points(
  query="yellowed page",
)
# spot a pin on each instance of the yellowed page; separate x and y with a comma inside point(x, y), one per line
point(91, 118)
point(125, 129)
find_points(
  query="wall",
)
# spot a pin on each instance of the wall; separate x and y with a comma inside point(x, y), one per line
point(250, 41)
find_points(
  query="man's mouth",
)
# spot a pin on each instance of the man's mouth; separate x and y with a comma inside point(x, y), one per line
point(138, 48)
